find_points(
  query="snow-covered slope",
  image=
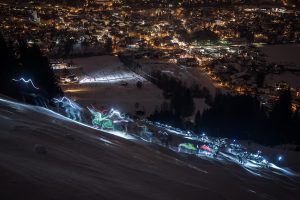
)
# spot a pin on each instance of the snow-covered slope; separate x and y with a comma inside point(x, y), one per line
point(83, 163)
point(101, 85)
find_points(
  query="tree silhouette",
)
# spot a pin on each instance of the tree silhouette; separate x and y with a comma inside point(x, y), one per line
point(281, 116)
point(8, 68)
point(36, 67)
point(23, 61)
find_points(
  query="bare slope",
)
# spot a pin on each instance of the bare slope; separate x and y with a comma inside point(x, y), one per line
point(82, 163)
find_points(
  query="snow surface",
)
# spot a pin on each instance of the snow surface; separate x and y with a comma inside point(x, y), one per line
point(102, 81)
point(84, 163)
point(188, 75)
point(108, 91)
point(283, 54)
point(292, 79)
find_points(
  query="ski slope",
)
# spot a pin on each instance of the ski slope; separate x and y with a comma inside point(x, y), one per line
point(105, 81)
point(85, 163)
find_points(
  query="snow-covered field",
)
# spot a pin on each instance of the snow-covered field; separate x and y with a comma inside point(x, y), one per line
point(283, 54)
point(106, 82)
point(188, 75)
point(288, 54)
point(292, 79)
point(79, 162)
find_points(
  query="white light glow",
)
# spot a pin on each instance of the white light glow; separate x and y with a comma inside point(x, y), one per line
point(26, 81)
point(109, 78)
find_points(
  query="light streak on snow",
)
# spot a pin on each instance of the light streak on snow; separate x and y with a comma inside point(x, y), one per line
point(251, 165)
point(252, 172)
point(116, 133)
point(252, 191)
point(59, 116)
point(171, 129)
point(109, 78)
point(113, 112)
point(190, 138)
point(13, 103)
point(106, 141)
point(69, 102)
point(120, 121)
point(197, 168)
point(26, 81)
point(75, 90)
point(285, 171)
point(119, 134)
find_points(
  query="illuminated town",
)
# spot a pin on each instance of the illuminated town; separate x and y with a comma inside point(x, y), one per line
point(166, 32)
point(150, 99)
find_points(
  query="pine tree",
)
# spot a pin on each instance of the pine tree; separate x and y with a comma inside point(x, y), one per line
point(36, 67)
point(27, 63)
point(8, 68)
